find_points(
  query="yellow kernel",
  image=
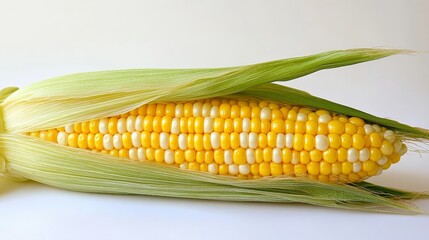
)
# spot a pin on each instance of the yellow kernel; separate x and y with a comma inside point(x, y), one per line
point(142, 110)
point(173, 141)
point(276, 169)
point(85, 127)
point(357, 121)
point(145, 138)
point(292, 114)
point(394, 158)
point(272, 139)
point(166, 123)
point(223, 169)
point(73, 140)
point(311, 127)
point(323, 178)
point(218, 125)
point(276, 114)
point(123, 153)
point(225, 141)
point(369, 166)
point(98, 141)
point(290, 126)
point(150, 154)
point(198, 142)
point(82, 141)
point(238, 125)
point(256, 112)
point(90, 138)
point(114, 152)
point(322, 129)
point(288, 168)
point(77, 127)
point(316, 155)
point(350, 128)
point(191, 125)
point(286, 155)
point(179, 156)
point(376, 139)
point(194, 166)
point(198, 125)
point(304, 157)
point(183, 125)
point(274, 106)
point(386, 165)
point(170, 110)
point(151, 109)
point(147, 123)
point(128, 143)
point(298, 142)
point(353, 177)
point(112, 126)
point(208, 157)
point(278, 126)
point(358, 141)
point(265, 126)
point(52, 135)
point(245, 112)
point(347, 167)
point(284, 111)
point(239, 156)
point(259, 155)
point(154, 140)
point(342, 154)
point(235, 111)
point(334, 140)
point(225, 110)
point(375, 154)
point(346, 141)
point(336, 168)
point(262, 140)
point(190, 155)
point(300, 169)
point(199, 157)
point(235, 140)
point(264, 169)
point(188, 110)
point(300, 127)
point(268, 154)
point(219, 156)
point(313, 168)
point(386, 148)
point(325, 168)
point(263, 104)
point(309, 142)
point(330, 155)
point(254, 169)
point(336, 127)
point(361, 131)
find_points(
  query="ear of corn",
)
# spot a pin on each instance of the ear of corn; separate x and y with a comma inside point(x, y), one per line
point(82, 97)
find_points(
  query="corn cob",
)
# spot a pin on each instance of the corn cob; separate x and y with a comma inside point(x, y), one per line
point(131, 131)
point(248, 139)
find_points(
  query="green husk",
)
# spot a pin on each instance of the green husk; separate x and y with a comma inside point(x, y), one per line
point(81, 97)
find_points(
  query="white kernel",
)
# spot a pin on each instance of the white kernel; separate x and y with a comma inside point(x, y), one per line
point(246, 125)
point(377, 128)
point(324, 118)
point(265, 113)
point(135, 138)
point(141, 154)
point(357, 166)
point(175, 129)
point(227, 156)
point(206, 110)
point(244, 169)
point(244, 140)
point(117, 141)
point(132, 154)
point(250, 156)
point(352, 155)
point(364, 154)
point(62, 138)
point(208, 125)
point(233, 169)
point(131, 121)
point(382, 160)
point(277, 155)
point(214, 112)
point(368, 129)
point(102, 125)
point(69, 128)
point(164, 140)
point(184, 165)
point(183, 141)
point(139, 123)
point(108, 142)
point(215, 140)
point(197, 109)
point(169, 156)
point(253, 140)
point(403, 150)
point(280, 140)
point(397, 145)
point(322, 142)
point(289, 140)
point(122, 125)
point(295, 157)
point(213, 168)
point(389, 135)
point(178, 111)
point(301, 117)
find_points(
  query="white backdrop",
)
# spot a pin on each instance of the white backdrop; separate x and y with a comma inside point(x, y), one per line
point(42, 39)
